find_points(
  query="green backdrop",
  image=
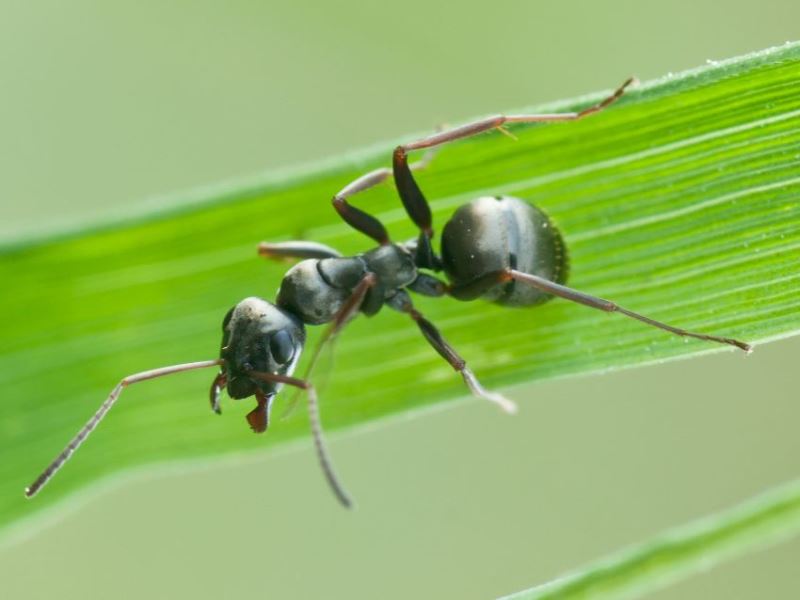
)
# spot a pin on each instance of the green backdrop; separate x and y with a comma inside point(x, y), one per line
point(106, 107)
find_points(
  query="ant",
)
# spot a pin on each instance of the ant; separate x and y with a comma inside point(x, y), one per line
point(502, 249)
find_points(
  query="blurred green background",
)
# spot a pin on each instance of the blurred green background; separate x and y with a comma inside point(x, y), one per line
point(107, 106)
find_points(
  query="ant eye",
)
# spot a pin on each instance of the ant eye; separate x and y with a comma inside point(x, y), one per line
point(282, 347)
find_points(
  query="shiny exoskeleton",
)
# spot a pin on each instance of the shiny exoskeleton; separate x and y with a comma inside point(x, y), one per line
point(491, 235)
point(501, 249)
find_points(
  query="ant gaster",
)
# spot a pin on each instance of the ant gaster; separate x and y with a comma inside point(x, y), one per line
point(500, 248)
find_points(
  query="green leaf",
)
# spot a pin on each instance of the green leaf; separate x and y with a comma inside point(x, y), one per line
point(682, 202)
point(697, 547)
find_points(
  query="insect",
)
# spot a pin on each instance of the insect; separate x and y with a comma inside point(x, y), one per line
point(501, 249)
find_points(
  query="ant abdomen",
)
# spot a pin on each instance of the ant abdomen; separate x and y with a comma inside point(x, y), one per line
point(496, 233)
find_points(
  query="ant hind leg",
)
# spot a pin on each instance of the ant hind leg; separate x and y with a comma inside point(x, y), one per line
point(562, 291)
point(362, 221)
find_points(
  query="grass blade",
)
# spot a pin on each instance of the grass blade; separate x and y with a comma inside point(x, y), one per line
point(681, 202)
point(762, 521)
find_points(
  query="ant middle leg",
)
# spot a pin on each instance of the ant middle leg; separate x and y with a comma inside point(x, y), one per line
point(402, 302)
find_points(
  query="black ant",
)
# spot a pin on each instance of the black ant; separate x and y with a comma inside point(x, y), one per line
point(502, 249)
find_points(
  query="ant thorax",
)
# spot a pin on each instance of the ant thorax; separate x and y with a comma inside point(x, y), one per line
point(316, 290)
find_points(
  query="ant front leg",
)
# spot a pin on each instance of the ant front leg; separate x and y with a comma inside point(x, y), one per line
point(316, 430)
point(346, 313)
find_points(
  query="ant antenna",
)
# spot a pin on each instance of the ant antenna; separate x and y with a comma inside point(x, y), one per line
point(92, 424)
point(316, 430)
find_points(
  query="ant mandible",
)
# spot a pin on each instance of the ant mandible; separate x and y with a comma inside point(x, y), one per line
point(488, 248)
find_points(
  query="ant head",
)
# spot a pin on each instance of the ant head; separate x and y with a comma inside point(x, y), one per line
point(259, 336)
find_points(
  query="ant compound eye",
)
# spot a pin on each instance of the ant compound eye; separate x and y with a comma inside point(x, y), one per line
point(281, 346)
